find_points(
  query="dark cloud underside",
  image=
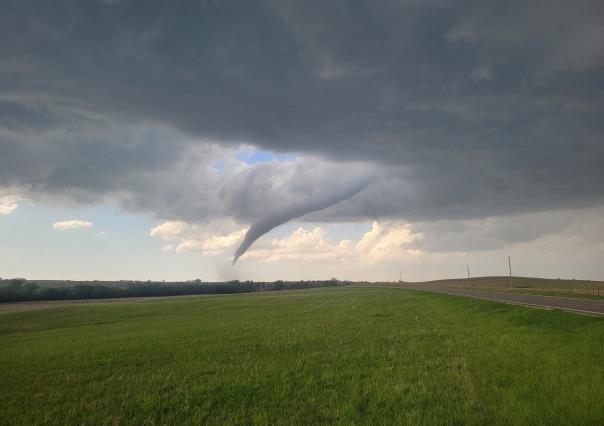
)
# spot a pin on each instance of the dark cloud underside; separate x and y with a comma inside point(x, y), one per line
point(467, 109)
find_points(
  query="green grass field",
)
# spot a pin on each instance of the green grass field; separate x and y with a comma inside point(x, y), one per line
point(343, 356)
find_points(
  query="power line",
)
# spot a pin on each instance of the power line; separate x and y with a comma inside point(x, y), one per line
point(510, 266)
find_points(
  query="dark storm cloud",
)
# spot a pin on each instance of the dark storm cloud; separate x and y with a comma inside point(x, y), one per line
point(469, 109)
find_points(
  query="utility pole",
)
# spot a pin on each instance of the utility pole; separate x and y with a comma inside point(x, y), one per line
point(400, 276)
point(510, 266)
point(468, 270)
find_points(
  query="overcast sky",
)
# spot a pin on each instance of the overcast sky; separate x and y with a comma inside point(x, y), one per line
point(350, 139)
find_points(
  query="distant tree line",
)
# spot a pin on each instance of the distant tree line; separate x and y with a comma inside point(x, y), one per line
point(21, 290)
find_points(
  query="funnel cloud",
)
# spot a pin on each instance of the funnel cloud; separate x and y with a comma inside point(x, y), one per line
point(284, 214)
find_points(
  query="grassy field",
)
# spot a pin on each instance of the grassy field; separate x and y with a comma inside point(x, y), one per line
point(344, 356)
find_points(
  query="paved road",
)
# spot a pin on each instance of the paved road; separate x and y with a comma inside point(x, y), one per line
point(582, 306)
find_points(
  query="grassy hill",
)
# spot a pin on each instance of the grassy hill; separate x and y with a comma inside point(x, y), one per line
point(518, 282)
point(340, 355)
point(528, 285)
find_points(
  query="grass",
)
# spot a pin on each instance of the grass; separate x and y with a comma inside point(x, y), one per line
point(343, 356)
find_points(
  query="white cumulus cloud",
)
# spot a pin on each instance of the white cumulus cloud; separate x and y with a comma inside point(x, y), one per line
point(384, 241)
point(387, 240)
point(72, 224)
point(9, 203)
point(169, 230)
point(213, 238)
point(214, 244)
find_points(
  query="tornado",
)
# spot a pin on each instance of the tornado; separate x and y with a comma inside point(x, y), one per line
point(284, 214)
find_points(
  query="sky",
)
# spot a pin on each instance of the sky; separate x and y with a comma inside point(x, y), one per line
point(304, 139)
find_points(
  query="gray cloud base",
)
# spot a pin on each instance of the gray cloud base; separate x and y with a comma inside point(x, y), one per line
point(465, 110)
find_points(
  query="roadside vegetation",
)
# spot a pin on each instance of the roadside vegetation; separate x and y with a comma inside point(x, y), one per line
point(339, 355)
